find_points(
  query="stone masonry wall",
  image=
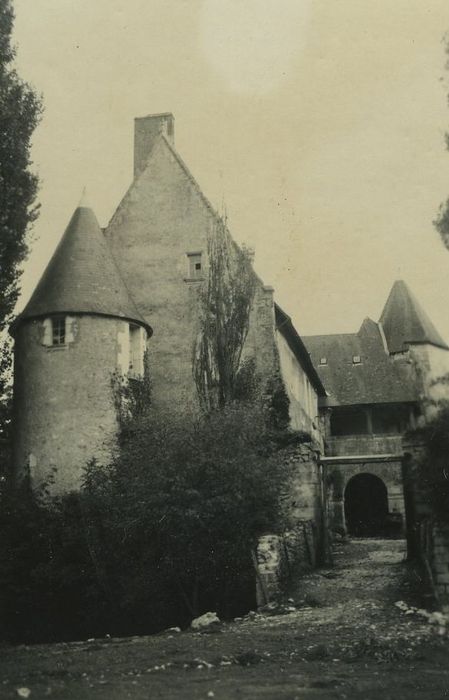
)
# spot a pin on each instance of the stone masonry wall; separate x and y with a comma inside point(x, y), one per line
point(363, 445)
point(427, 537)
point(260, 343)
point(282, 557)
point(64, 408)
point(161, 219)
point(301, 547)
point(430, 364)
point(439, 562)
point(303, 398)
point(339, 474)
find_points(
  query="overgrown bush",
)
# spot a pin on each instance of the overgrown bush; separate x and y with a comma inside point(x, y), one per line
point(48, 585)
point(167, 530)
point(183, 504)
point(433, 471)
point(159, 536)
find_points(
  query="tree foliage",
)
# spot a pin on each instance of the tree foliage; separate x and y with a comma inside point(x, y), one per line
point(433, 468)
point(49, 588)
point(160, 535)
point(20, 110)
point(183, 505)
point(225, 305)
point(441, 222)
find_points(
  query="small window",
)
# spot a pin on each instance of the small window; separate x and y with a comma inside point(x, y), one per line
point(323, 360)
point(195, 265)
point(356, 360)
point(58, 330)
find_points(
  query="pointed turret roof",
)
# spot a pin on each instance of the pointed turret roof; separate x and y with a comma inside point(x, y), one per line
point(404, 321)
point(82, 276)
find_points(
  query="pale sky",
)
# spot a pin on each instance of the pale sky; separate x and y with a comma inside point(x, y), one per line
point(319, 123)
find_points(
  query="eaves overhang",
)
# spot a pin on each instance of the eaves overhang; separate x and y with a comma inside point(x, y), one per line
point(285, 326)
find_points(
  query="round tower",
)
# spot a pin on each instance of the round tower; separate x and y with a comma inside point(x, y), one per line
point(79, 328)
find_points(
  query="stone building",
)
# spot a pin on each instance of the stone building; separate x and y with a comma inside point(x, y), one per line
point(109, 295)
point(379, 382)
point(79, 327)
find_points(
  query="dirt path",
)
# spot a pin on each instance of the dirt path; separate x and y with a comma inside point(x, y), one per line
point(339, 636)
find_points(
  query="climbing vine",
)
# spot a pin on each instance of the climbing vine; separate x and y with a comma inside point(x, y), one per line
point(132, 397)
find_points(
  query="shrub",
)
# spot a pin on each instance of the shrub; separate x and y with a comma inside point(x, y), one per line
point(155, 538)
point(182, 506)
point(48, 585)
point(433, 469)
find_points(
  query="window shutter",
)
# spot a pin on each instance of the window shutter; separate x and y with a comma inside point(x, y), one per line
point(48, 332)
point(123, 355)
point(70, 329)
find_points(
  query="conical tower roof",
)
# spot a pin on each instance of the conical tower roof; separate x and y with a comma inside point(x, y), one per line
point(405, 321)
point(82, 276)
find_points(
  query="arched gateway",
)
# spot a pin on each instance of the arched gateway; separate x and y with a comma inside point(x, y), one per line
point(366, 505)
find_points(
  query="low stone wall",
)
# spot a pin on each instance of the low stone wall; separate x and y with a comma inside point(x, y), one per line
point(280, 557)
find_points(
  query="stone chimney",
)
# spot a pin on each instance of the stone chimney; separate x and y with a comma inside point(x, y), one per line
point(146, 129)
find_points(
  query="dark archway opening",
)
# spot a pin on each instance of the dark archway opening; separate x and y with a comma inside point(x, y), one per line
point(366, 506)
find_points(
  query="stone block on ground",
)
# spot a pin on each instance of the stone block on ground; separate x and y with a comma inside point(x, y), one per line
point(206, 620)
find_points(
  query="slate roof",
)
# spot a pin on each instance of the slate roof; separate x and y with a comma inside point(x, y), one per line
point(377, 379)
point(285, 326)
point(82, 276)
point(404, 321)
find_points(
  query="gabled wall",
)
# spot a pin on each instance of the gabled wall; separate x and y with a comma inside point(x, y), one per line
point(431, 364)
point(161, 219)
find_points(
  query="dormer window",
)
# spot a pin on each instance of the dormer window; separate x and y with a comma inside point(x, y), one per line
point(195, 263)
point(323, 360)
point(356, 360)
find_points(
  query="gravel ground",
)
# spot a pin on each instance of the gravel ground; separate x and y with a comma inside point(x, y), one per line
point(338, 635)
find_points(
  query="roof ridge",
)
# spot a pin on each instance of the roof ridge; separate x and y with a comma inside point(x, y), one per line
point(299, 348)
point(205, 199)
point(187, 171)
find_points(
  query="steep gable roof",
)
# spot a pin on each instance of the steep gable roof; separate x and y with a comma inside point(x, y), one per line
point(404, 321)
point(157, 145)
point(376, 379)
point(82, 276)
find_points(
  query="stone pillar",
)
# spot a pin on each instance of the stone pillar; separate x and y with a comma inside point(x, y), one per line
point(335, 486)
point(268, 569)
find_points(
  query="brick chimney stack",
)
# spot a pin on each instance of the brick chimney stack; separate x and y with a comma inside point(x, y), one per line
point(146, 130)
